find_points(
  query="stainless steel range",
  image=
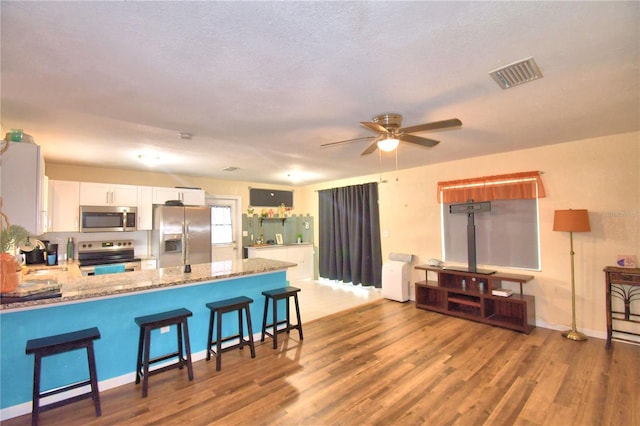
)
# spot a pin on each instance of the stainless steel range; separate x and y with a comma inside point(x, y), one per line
point(95, 253)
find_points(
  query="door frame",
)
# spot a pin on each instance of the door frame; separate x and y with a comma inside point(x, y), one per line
point(237, 220)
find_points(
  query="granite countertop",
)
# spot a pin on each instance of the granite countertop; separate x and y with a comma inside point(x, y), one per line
point(74, 287)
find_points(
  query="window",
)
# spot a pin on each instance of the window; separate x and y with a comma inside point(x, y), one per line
point(508, 235)
point(221, 229)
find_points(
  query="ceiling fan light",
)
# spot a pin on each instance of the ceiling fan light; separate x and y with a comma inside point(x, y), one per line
point(388, 145)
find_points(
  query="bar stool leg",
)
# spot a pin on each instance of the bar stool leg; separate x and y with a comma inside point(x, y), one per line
point(145, 373)
point(240, 329)
point(288, 313)
point(264, 318)
point(275, 324)
point(139, 360)
point(180, 351)
point(212, 316)
point(219, 342)
point(35, 410)
point(295, 298)
point(187, 345)
point(94, 379)
point(250, 330)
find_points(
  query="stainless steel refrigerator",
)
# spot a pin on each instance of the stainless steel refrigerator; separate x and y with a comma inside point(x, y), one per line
point(181, 235)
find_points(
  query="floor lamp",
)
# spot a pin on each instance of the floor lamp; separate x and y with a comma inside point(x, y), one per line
point(572, 221)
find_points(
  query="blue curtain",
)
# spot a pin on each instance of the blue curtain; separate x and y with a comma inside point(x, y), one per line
point(349, 231)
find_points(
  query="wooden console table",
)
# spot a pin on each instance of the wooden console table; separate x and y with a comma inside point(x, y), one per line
point(468, 295)
point(622, 284)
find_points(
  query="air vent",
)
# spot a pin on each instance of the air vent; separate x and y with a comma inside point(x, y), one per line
point(230, 169)
point(516, 73)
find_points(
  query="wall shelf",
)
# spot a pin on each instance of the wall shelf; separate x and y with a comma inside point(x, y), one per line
point(273, 219)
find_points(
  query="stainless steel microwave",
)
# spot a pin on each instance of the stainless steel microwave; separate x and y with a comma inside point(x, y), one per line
point(108, 218)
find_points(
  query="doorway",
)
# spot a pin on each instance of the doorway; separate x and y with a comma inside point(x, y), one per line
point(226, 230)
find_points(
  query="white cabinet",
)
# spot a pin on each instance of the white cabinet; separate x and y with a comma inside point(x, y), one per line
point(148, 264)
point(23, 187)
point(64, 206)
point(300, 254)
point(108, 194)
point(145, 208)
point(189, 197)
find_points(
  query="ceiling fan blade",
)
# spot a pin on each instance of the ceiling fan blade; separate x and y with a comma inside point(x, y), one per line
point(453, 122)
point(374, 126)
point(371, 148)
point(327, 145)
point(428, 143)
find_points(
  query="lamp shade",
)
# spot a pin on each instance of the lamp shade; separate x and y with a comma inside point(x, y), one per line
point(571, 220)
point(388, 145)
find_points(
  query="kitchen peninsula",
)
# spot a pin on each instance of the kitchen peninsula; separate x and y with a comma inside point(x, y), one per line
point(111, 302)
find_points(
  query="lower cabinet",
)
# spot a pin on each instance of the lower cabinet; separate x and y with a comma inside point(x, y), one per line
point(300, 254)
point(469, 295)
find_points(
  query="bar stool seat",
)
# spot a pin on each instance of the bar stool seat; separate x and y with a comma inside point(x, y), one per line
point(58, 344)
point(177, 317)
point(275, 295)
point(217, 309)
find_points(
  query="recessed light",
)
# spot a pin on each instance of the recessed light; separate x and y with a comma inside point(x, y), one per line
point(149, 159)
point(186, 135)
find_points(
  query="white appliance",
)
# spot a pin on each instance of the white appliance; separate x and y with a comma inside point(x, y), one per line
point(107, 218)
point(396, 277)
point(92, 254)
point(181, 235)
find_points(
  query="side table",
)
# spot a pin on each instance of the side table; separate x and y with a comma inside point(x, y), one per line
point(622, 284)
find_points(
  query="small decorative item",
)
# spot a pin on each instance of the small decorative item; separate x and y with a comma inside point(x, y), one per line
point(288, 211)
point(626, 261)
point(299, 238)
point(263, 213)
point(270, 213)
point(279, 239)
point(281, 210)
point(250, 211)
point(16, 135)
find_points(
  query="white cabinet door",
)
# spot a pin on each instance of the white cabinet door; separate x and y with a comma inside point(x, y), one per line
point(148, 264)
point(162, 195)
point(193, 197)
point(108, 194)
point(64, 206)
point(145, 208)
point(124, 195)
point(22, 186)
point(189, 197)
point(302, 256)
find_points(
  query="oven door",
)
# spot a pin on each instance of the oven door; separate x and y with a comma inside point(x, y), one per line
point(128, 267)
point(107, 218)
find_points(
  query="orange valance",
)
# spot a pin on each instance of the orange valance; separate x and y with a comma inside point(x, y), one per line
point(511, 186)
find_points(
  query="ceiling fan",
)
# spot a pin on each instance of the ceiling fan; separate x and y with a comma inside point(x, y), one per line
point(390, 133)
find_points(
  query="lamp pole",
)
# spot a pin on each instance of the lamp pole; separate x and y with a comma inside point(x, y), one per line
point(573, 334)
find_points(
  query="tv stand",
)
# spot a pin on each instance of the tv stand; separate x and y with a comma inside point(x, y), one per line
point(468, 295)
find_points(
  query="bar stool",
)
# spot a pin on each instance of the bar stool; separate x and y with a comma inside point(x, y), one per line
point(275, 295)
point(217, 309)
point(58, 344)
point(177, 317)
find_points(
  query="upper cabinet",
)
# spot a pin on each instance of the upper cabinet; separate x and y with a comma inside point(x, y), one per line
point(23, 187)
point(64, 206)
point(145, 208)
point(108, 194)
point(189, 197)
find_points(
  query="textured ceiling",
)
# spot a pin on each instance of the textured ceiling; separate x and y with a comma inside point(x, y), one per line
point(261, 85)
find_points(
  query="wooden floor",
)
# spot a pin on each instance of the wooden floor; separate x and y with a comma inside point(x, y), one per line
point(387, 363)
